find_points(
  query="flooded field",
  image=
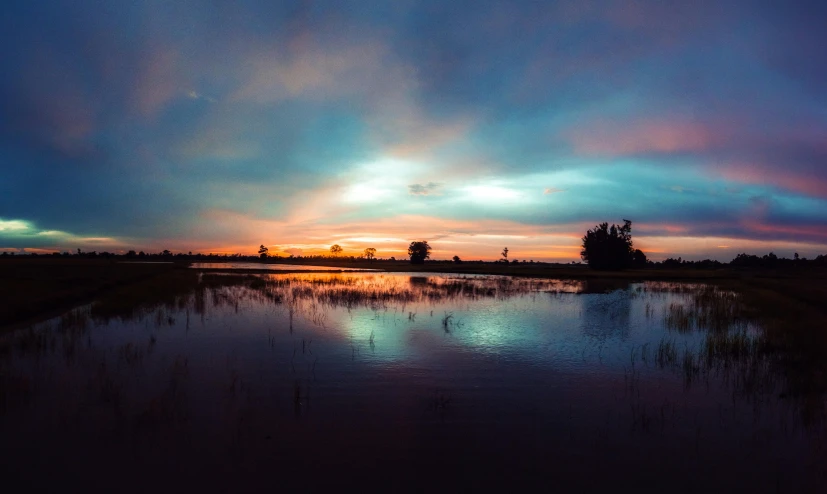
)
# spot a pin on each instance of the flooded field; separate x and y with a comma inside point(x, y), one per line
point(267, 266)
point(410, 382)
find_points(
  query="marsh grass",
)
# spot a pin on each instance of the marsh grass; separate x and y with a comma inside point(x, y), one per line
point(731, 345)
point(447, 321)
point(765, 341)
point(667, 353)
point(172, 291)
point(709, 308)
point(169, 408)
point(308, 294)
point(131, 353)
point(755, 340)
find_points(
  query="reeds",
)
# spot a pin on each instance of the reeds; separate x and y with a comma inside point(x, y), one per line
point(667, 353)
point(709, 308)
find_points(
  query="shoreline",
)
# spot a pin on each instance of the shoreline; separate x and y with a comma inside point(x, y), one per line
point(36, 289)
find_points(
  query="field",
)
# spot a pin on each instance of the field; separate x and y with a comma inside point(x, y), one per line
point(34, 288)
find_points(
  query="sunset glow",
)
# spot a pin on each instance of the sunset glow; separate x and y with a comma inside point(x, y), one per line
point(472, 125)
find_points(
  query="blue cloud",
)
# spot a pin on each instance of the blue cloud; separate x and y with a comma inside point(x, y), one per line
point(139, 120)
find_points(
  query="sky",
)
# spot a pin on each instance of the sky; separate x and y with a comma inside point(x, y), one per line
point(476, 125)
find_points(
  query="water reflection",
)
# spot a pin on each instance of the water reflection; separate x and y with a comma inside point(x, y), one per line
point(255, 266)
point(228, 373)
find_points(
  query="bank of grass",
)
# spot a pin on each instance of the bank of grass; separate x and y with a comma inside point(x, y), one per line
point(793, 315)
point(32, 289)
point(789, 353)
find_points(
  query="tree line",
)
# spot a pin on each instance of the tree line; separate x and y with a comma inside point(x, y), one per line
point(604, 247)
point(607, 247)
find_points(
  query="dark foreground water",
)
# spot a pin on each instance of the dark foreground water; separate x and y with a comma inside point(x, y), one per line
point(386, 382)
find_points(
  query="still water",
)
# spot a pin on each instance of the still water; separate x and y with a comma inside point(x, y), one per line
point(269, 266)
point(405, 382)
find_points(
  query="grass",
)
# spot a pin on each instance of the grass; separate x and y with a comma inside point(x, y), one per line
point(767, 337)
point(32, 289)
point(446, 322)
point(667, 353)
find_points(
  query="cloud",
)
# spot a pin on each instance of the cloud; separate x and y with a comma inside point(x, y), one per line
point(657, 136)
point(196, 95)
point(812, 182)
point(10, 226)
point(158, 80)
point(429, 189)
point(680, 189)
point(21, 234)
point(320, 117)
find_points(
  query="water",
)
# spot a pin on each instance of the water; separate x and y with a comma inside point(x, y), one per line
point(405, 382)
point(269, 267)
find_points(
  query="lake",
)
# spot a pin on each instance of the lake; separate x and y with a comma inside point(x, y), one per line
point(395, 381)
point(255, 266)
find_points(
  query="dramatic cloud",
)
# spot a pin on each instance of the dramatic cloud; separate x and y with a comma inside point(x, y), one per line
point(423, 190)
point(298, 125)
point(21, 235)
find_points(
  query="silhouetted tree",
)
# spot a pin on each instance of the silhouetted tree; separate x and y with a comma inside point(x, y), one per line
point(370, 253)
point(457, 260)
point(335, 249)
point(638, 259)
point(504, 253)
point(607, 247)
point(263, 251)
point(419, 251)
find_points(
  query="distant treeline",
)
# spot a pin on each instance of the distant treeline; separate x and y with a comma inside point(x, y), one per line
point(167, 255)
point(740, 261)
point(745, 261)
